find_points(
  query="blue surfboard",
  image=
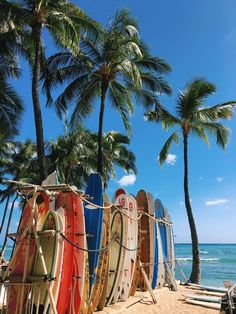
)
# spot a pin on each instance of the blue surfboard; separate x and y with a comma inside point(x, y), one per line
point(151, 211)
point(93, 223)
point(159, 210)
point(155, 269)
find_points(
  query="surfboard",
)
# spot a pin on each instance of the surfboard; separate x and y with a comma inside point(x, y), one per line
point(116, 251)
point(61, 219)
point(65, 200)
point(79, 257)
point(210, 305)
point(105, 270)
point(97, 290)
point(50, 250)
point(22, 259)
point(153, 243)
point(133, 212)
point(161, 214)
point(120, 199)
point(203, 298)
point(161, 267)
point(169, 276)
point(93, 224)
point(209, 288)
point(145, 252)
point(132, 243)
point(100, 288)
point(170, 239)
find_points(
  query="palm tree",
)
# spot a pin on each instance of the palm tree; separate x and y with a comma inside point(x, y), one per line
point(112, 69)
point(17, 163)
point(193, 118)
point(115, 153)
point(64, 21)
point(11, 105)
point(74, 157)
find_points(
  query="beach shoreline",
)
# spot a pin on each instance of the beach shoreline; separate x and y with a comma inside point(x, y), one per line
point(168, 302)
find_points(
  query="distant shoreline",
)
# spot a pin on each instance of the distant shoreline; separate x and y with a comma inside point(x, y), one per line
point(207, 243)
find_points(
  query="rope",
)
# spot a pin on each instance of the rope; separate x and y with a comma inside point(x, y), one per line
point(98, 250)
point(126, 248)
point(160, 220)
point(83, 249)
point(125, 213)
point(87, 201)
point(182, 273)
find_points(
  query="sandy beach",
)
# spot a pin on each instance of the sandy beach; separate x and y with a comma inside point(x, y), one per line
point(168, 302)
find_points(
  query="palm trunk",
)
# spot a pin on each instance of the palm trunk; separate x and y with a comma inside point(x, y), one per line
point(104, 88)
point(5, 212)
point(195, 274)
point(36, 104)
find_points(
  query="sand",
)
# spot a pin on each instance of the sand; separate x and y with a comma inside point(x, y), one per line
point(168, 302)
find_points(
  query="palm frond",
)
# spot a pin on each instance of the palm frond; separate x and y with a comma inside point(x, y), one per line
point(121, 20)
point(220, 111)
point(121, 101)
point(221, 132)
point(199, 131)
point(152, 63)
point(191, 99)
point(165, 149)
point(11, 107)
point(71, 93)
point(85, 100)
point(162, 115)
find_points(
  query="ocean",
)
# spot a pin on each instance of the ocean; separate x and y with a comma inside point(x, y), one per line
point(218, 262)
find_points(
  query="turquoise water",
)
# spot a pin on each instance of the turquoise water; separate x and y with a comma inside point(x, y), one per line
point(218, 262)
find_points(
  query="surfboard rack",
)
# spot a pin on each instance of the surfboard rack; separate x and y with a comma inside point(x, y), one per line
point(41, 278)
point(45, 233)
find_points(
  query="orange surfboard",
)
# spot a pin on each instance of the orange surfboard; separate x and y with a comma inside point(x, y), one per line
point(79, 258)
point(23, 258)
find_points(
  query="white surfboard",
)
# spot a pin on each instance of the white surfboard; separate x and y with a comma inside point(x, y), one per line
point(121, 199)
point(116, 253)
point(205, 298)
point(209, 305)
point(209, 288)
point(61, 219)
point(132, 243)
point(152, 242)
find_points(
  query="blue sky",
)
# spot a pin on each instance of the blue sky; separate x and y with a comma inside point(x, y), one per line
point(198, 39)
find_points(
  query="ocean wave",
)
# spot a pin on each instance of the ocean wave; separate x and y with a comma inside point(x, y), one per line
point(188, 259)
point(203, 252)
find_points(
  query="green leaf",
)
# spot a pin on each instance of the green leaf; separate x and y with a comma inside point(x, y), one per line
point(165, 149)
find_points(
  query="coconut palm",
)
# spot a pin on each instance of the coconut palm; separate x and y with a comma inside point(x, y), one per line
point(193, 117)
point(111, 70)
point(74, 155)
point(64, 22)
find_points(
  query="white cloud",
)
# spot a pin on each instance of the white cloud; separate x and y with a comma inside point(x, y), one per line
point(171, 159)
point(219, 179)
point(127, 180)
point(217, 202)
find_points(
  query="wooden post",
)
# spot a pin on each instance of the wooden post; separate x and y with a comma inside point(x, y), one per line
point(147, 283)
